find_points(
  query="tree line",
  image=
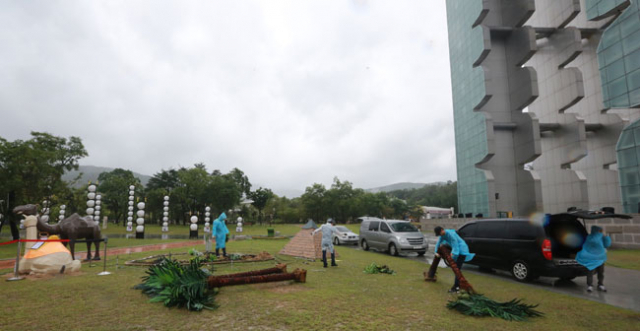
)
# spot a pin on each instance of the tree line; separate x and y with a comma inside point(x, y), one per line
point(31, 171)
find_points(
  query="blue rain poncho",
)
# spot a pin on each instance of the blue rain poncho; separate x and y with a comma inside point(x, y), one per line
point(594, 252)
point(327, 232)
point(220, 231)
point(457, 244)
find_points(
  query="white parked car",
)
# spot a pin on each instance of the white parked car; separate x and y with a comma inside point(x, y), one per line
point(344, 236)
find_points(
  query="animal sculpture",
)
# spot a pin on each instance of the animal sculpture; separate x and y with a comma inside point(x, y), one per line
point(73, 228)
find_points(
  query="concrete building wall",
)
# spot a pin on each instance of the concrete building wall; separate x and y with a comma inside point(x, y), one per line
point(547, 133)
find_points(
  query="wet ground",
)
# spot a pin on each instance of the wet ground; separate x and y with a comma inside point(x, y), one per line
point(623, 285)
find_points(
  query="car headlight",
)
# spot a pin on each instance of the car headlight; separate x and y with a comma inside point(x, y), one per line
point(402, 240)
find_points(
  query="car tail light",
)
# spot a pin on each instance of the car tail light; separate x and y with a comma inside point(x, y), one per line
point(546, 249)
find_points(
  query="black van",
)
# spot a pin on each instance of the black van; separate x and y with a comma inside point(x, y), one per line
point(530, 249)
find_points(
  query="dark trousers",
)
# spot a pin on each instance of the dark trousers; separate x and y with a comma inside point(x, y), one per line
point(600, 271)
point(459, 263)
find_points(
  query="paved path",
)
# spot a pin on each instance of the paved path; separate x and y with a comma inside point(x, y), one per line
point(9, 263)
point(623, 285)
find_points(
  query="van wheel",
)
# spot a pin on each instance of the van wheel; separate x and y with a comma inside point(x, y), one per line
point(364, 245)
point(393, 250)
point(336, 241)
point(521, 271)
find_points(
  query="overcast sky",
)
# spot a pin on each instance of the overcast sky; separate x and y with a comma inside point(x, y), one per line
point(291, 92)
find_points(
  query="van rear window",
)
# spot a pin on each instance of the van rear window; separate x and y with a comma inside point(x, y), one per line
point(373, 226)
point(490, 229)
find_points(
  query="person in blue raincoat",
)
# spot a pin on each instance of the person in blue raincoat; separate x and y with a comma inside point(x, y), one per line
point(459, 250)
point(220, 231)
point(593, 255)
point(327, 241)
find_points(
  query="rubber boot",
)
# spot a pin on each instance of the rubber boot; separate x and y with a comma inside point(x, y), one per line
point(224, 252)
point(324, 258)
point(333, 260)
point(217, 251)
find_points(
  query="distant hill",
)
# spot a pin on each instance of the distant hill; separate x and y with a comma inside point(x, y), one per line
point(400, 186)
point(91, 173)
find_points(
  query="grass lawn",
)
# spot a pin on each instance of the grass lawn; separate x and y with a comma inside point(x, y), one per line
point(624, 258)
point(332, 299)
point(285, 229)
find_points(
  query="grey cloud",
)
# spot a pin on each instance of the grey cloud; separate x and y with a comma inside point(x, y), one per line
point(290, 92)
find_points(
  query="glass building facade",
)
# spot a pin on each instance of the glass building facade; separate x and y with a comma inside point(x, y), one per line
point(619, 58)
point(600, 8)
point(466, 44)
point(628, 150)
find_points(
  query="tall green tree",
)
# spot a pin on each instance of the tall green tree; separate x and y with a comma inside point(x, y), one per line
point(313, 202)
point(114, 188)
point(31, 170)
point(260, 199)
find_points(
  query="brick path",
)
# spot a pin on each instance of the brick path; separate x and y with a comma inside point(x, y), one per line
point(9, 263)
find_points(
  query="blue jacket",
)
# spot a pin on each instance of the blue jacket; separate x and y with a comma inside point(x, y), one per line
point(220, 231)
point(594, 249)
point(458, 246)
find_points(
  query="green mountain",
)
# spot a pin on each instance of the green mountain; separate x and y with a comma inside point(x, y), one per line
point(91, 173)
point(400, 186)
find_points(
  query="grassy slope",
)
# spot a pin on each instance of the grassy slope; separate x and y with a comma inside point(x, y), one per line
point(333, 298)
point(624, 258)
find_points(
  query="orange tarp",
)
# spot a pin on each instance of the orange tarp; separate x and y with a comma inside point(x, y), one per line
point(46, 249)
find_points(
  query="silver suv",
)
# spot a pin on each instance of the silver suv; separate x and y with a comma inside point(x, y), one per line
point(394, 236)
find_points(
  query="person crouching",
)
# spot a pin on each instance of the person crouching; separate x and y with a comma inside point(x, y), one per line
point(459, 250)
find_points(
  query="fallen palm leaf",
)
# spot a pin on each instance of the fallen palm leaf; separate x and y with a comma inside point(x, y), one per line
point(374, 268)
point(178, 285)
point(479, 305)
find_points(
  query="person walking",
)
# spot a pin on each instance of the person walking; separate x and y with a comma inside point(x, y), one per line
point(459, 250)
point(593, 255)
point(328, 230)
point(220, 231)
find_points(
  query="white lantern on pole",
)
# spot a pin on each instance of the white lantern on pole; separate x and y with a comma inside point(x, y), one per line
point(165, 214)
point(131, 203)
point(207, 213)
point(194, 223)
point(62, 212)
point(140, 221)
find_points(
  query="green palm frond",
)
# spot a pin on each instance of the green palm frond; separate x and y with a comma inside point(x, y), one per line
point(173, 284)
point(479, 305)
point(374, 268)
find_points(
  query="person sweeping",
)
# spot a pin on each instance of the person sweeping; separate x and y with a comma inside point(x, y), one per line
point(328, 230)
point(220, 231)
point(459, 250)
point(593, 255)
